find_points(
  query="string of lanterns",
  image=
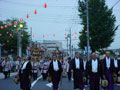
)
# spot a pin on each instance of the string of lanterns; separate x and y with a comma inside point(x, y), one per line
point(54, 35)
point(15, 23)
point(27, 16)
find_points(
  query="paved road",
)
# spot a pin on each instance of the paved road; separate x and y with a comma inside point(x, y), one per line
point(8, 84)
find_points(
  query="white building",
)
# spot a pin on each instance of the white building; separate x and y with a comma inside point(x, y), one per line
point(52, 44)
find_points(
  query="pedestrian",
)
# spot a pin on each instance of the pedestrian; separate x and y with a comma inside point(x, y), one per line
point(55, 71)
point(116, 67)
point(35, 68)
point(94, 72)
point(64, 66)
point(68, 68)
point(44, 68)
point(10, 66)
point(85, 70)
point(6, 67)
point(25, 74)
point(77, 68)
point(1, 68)
point(18, 64)
point(108, 68)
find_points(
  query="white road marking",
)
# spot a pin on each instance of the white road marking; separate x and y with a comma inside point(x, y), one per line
point(72, 79)
point(33, 83)
point(49, 85)
point(117, 85)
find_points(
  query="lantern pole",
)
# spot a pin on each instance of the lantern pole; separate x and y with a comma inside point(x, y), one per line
point(19, 42)
point(0, 51)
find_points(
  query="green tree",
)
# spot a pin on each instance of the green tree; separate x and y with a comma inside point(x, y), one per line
point(101, 24)
point(8, 36)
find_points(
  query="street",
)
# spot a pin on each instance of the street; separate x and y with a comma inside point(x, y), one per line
point(44, 39)
point(8, 84)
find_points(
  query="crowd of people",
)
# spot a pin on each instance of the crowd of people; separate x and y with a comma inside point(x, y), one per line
point(85, 72)
point(95, 71)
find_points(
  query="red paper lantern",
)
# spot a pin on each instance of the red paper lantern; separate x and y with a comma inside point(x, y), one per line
point(15, 22)
point(35, 12)
point(21, 35)
point(10, 24)
point(1, 27)
point(45, 5)
point(10, 35)
point(0, 34)
point(7, 40)
point(86, 31)
point(80, 34)
point(75, 37)
point(53, 35)
point(33, 36)
point(7, 32)
point(27, 15)
point(21, 19)
point(65, 34)
point(43, 36)
point(5, 26)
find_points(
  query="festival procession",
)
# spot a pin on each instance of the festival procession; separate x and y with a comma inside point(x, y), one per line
point(59, 45)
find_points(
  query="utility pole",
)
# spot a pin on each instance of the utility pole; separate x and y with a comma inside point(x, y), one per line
point(72, 50)
point(30, 37)
point(67, 44)
point(19, 44)
point(88, 42)
point(70, 42)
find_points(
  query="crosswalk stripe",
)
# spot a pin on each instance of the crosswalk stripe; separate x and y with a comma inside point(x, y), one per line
point(49, 85)
point(33, 83)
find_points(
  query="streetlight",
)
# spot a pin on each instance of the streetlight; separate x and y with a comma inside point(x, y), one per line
point(19, 45)
point(21, 25)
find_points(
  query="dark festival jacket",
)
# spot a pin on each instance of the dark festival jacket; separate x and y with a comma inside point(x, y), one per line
point(89, 68)
point(85, 72)
point(104, 67)
point(51, 70)
point(116, 70)
point(24, 74)
point(73, 67)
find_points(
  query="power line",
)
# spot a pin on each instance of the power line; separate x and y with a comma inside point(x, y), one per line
point(34, 5)
point(115, 3)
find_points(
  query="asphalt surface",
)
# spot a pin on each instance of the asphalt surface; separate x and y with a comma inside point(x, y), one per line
point(8, 84)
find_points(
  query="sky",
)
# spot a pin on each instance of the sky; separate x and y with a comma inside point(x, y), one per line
point(57, 19)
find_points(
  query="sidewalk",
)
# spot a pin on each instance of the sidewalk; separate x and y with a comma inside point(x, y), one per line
point(11, 74)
